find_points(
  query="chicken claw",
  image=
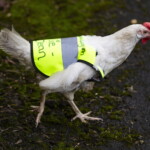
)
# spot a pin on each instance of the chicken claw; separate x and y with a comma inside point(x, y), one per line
point(85, 117)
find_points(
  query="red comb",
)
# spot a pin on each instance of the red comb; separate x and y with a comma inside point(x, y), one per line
point(147, 25)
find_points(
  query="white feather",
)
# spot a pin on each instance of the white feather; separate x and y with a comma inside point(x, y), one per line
point(15, 45)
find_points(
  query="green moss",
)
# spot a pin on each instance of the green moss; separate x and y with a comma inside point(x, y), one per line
point(63, 146)
point(115, 117)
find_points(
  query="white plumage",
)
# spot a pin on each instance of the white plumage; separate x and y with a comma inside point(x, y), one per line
point(112, 51)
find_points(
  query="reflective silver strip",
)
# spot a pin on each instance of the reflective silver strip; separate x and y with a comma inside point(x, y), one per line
point(69, 50)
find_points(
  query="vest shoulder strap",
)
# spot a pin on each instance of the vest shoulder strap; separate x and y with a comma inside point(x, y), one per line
point(97, 68)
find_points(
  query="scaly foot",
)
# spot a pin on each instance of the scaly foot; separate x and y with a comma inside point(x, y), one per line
point(37, 109)
point(85, 117)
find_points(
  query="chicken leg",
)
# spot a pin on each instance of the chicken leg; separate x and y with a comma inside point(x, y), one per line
point(79, 114)
point(40, 109)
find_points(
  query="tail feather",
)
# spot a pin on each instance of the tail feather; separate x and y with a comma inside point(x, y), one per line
point(15, 45)
point(14, 31)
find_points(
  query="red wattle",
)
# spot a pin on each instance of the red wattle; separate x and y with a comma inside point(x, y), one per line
point(147, 25)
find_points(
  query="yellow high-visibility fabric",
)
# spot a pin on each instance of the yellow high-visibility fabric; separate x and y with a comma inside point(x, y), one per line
point(47, 56)
point(85, 52)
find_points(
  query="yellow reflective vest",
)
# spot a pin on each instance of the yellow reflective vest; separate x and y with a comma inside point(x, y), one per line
point(53, 55)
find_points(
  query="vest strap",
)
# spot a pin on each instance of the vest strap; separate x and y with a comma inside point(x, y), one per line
point(97, 69)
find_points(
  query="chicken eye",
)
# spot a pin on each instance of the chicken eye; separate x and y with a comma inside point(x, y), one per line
point(145, 32)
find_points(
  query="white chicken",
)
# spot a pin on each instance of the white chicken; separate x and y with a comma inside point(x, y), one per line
point(112, 50)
